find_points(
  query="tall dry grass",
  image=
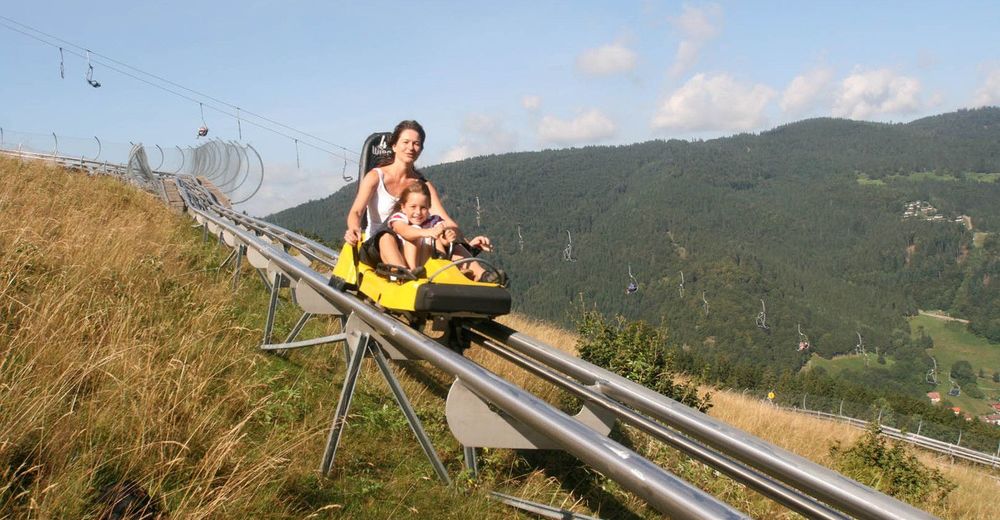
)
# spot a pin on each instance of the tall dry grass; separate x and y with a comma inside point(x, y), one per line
point(126, 360)
point(118, 360)
point(812, 438)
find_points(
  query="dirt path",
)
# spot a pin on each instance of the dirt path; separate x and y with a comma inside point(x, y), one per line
point(940, 316)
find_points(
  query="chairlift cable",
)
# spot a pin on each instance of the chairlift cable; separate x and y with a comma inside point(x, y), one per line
point(340, 154)
point(164, 80)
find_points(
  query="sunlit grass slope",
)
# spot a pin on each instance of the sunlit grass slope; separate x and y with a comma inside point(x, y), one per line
point(125, 359)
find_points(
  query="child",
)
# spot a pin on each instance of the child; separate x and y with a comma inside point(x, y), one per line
point(422, 232)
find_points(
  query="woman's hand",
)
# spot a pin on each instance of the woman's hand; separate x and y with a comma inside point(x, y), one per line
point(352, 236)
point(481, 242)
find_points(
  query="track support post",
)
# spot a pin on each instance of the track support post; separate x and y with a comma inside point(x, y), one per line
point(362, 347)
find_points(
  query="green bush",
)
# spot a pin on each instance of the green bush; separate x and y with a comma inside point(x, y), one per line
point(891, 470)
point(636, 351)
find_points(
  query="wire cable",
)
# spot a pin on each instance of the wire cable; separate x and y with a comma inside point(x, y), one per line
point(179, 94)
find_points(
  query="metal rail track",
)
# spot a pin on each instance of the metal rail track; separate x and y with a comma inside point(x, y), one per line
point(928, 443)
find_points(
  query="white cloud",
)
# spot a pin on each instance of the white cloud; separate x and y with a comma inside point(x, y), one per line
point(807, 91)
point(286, 185)
point(866, 94)
point(988, 92)
point(588, 127)
point(715, 102)
point(481, 135)
point(607, 60)
point(531, 103)
point(697, 27)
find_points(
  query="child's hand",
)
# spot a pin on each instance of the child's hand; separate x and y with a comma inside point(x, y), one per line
point(437, 231)
point(450, 234)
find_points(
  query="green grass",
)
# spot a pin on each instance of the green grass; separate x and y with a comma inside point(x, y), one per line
point(924, 176)
point(853, 362)
point(983, 177)
point(864, 180)
point(953, 342)
point(978, 238)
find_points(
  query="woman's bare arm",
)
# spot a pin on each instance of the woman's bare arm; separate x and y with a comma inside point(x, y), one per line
point(365, 192)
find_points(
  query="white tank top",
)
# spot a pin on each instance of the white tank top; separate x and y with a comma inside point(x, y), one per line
point(380, 205)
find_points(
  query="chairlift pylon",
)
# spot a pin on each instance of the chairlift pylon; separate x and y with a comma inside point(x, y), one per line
point(520, 239)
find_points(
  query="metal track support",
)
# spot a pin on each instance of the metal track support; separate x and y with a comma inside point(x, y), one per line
point(471, 461)
point(271, 307)
point(239, 264)
point(366, 347)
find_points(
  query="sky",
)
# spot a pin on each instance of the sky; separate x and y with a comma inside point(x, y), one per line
point(482, 78)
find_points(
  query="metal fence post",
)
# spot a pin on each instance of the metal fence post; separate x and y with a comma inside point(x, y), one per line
point(841, 408)
point(804, 401)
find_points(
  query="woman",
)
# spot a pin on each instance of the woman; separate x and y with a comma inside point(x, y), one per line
point(379, 191)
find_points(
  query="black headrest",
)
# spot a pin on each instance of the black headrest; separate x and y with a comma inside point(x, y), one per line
point(375, 149)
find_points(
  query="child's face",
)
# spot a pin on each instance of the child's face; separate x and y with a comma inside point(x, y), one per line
point(416, 208)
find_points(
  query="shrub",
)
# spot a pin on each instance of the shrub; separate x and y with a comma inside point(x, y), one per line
point(636, 351)
point(891, 470)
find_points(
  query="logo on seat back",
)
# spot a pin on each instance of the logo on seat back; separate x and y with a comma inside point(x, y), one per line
point(382, 148)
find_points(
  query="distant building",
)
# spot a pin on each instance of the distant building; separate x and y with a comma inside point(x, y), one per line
point(957, 410)
point(996, 406)
point(936, 398)
point(991, 419)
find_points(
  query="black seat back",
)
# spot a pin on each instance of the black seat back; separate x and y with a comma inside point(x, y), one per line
point(375, 149)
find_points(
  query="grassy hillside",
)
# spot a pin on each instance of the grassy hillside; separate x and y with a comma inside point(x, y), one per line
point(952, 342)
point(126, 360)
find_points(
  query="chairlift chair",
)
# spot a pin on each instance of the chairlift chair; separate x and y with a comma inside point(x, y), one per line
point(633, 284)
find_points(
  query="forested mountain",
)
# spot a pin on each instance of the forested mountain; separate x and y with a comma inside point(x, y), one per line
point(808, 217)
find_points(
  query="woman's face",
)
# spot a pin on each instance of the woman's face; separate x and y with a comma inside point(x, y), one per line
point(408, 147)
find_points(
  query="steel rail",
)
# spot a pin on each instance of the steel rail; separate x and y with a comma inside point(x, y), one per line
point(662, 490)
point(928, 443)
point(775, 490)
point(822, 483)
